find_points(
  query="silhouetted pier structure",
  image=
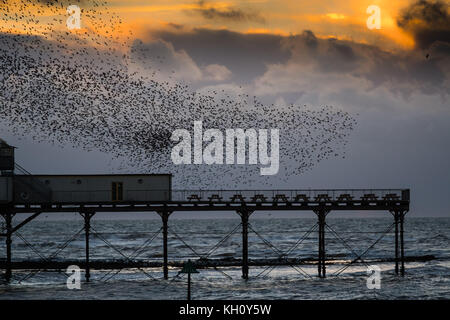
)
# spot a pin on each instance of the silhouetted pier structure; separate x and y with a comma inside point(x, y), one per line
point(243, 202)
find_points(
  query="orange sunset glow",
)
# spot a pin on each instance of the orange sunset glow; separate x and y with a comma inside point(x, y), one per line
point(326, 18)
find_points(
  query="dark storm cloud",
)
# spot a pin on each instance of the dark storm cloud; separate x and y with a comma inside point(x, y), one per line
point(251, 56)
point(175, 25)
point(427, 21)
point(338, 51)
point(331, 55)
point(310, 39)
point(161, 56)
point(231, 13)
point(244, 54)
point(404, 72)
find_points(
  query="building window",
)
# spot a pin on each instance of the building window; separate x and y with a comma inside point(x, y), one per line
point(117, 191)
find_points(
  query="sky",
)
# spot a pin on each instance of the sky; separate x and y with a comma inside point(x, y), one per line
point(393, 80)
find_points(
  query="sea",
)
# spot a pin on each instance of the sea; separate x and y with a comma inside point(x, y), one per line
point(426, 241)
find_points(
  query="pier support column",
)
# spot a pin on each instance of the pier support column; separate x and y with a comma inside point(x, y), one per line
point(402, 247)
point(321, 268)
point(396, 218)
point(8, 224)
point(164, 214)
point(244, 214)
point(87, 215)
point(399, 216)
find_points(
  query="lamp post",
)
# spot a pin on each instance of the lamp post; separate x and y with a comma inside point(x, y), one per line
point(189, 268)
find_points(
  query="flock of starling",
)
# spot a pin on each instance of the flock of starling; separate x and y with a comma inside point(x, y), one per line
point(77, 88)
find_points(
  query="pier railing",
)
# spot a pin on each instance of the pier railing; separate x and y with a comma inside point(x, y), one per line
point(279, 195)
point(299, 195)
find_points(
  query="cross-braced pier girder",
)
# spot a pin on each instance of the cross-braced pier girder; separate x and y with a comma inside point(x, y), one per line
point(243, 202)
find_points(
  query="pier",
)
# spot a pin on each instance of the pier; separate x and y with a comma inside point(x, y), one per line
point(243, 202)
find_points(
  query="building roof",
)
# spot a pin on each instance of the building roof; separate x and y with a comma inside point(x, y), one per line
point(3, 143)
point(96, 175)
